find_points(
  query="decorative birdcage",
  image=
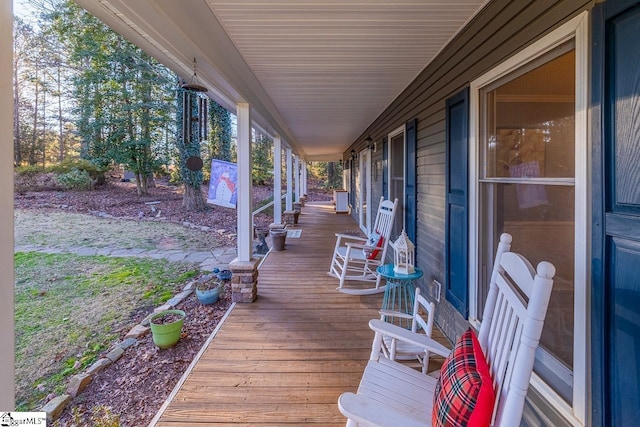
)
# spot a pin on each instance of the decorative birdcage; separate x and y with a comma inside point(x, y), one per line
point(404, 258)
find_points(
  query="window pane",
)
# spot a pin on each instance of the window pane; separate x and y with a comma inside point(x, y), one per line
point(396, 185)
point(530, 124)
point(544, 232)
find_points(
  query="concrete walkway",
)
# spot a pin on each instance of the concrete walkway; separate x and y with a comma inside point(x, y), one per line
point(208, 260)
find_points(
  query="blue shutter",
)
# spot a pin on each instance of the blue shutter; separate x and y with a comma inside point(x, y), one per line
point(457, 203)
point(385, 167)
point(410, 180)
point(352, 187)
point(615, 332)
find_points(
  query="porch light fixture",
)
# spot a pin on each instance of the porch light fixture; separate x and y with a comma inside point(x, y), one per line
point(404, 260)
point(194, 84)
point(368, 141)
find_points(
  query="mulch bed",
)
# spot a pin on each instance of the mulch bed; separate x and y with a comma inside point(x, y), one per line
point(136, 385)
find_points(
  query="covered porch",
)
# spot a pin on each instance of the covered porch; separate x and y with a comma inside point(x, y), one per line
point(287, 357)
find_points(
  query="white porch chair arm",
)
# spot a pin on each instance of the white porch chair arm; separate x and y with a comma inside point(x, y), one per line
point(390, 313)
point(366, 412)
point(350, 237)
point(360, 246)
point(413, 338)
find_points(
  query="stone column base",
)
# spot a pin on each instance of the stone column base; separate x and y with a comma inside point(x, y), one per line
point(244, 282)
point(289, 217)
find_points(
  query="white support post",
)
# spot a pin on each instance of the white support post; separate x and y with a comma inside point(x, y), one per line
point(289, 204)
point(305, 189)
point(345, 175)
point(7, 329)
point(297, 178)
point(277, 180)
point(303, 177)
point(245, 227)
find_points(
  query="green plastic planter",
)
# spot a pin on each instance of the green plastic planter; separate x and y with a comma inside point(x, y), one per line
point(167, 335)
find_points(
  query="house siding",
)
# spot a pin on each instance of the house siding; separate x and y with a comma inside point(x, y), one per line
point(500, 30)
point(497, 32)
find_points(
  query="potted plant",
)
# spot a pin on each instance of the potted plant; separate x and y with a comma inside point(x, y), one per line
point(166, 327)
point(278, 239)
point(209, 289)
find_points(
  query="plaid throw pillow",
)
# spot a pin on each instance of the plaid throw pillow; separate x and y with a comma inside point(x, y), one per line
point(464, 393)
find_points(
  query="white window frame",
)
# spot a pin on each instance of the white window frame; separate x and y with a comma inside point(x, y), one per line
point(393, 134)
point(364, 217)
point(576, 29)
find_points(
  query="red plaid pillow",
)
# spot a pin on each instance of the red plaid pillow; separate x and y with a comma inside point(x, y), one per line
point(464, 393)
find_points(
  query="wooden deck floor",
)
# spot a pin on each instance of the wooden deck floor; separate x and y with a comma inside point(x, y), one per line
point(286, 358)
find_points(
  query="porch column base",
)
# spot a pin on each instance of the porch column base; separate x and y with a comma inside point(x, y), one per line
point(289, 217)
point(244, 281)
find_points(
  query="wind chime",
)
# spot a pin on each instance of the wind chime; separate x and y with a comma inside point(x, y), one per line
point(194, 109)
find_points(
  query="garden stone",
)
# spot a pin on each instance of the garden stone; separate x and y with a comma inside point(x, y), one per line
point(55, 407)
point(78, 383)
point(115, 354)
point(137, 332)
point(128, 342)
point(163, 307)
point(98, 366)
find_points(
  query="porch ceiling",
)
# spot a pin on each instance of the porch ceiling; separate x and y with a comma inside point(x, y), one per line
point(317, 72)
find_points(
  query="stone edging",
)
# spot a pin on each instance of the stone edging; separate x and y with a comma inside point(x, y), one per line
point(79, 382)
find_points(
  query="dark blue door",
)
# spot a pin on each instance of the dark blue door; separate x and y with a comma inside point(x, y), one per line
point(616, 214)
point(457, 204)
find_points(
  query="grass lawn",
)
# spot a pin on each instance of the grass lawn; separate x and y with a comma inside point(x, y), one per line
point(51, 229)
point(68, 309)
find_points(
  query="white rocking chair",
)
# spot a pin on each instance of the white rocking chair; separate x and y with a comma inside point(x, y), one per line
point(356, 259)
point(391, 394)
point(421, 322)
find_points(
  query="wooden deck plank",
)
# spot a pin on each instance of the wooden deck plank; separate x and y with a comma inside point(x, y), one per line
point(287, 357)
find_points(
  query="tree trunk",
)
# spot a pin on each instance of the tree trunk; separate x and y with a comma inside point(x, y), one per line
point(139, 184)
point(60, 128)
point(142, 183)
point(43, 143)
point(17, 153)
point(193, 200)
point(34, 142)
point(150, 181)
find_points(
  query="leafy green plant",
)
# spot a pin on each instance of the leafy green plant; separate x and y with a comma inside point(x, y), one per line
point(69, 165)
point(30, 170)
point(103, 417)
point(75, 179)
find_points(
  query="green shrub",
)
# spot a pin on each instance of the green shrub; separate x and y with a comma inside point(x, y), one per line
point(69, 165)
point(174, 177)
point(30, 170)
point(75, 179)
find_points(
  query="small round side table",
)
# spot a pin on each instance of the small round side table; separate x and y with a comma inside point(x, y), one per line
point(399, 293)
